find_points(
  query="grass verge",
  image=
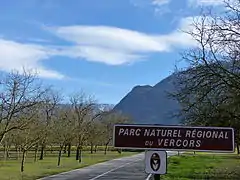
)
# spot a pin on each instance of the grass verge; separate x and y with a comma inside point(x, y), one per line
point(10, 169)
point(203, 166)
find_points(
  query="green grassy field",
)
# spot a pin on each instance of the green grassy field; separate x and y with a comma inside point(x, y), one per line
point(187, 166)
point(203, 166)
point(10, 169)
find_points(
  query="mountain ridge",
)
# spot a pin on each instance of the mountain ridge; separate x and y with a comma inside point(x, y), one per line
point(150, 104)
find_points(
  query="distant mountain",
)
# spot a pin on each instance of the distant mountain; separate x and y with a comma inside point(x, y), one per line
point(150, 105)
point(97, 107)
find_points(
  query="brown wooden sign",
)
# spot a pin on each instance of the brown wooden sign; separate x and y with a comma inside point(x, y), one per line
point(218, 139)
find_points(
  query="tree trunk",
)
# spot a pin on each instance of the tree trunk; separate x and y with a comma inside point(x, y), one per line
point(35, 154)
point(59, 155)
point(16, 149)
point(65, 149)
point(77, 153)
point(95, 148)
point(119, 151)
point(80, 155)
point(23, 160)
point(51, 149)
point(69, 150)
point(42, 151)
point(1, 137)
point(18, 152)
point(106, 146)
point(91, 148)
point(8, 147)
point(238, 150)
point(5, 151)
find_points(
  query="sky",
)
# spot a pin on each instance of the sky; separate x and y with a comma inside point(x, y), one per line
point(103, 47)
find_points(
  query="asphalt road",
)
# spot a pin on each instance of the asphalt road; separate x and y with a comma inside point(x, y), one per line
point(127, 168)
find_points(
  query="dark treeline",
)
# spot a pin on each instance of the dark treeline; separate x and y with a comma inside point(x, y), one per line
point(209, 90)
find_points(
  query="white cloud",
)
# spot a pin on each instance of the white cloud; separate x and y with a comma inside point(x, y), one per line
point(115, 46)
point(159, 11)
point(16, 56)
point(109, 37)
point(147, 3)
point(109, 56)
point(159, 7)
point(189, 23)
point(39, 40)
point(103, 44)
point(160, 2)
point(205, 2)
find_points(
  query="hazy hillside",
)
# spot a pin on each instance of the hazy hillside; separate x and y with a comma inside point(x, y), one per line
point(98, 107)
point(147, 104)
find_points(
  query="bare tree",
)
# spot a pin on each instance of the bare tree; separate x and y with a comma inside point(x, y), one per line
point(94, 131)
point(82, 106)
point(30, 136)
point(7, 142)
point(108, 121)
point(19, 93)
point(51, 100)
point(208, 91)
point(62, 130)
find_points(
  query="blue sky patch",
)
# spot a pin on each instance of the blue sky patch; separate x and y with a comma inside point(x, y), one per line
point(104, 47)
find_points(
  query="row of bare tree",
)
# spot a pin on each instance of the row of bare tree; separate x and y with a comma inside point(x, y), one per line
point(209, 90)
point(33, 116)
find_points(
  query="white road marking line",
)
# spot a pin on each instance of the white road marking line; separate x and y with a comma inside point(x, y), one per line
point(103, 174)
point(149, 176)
